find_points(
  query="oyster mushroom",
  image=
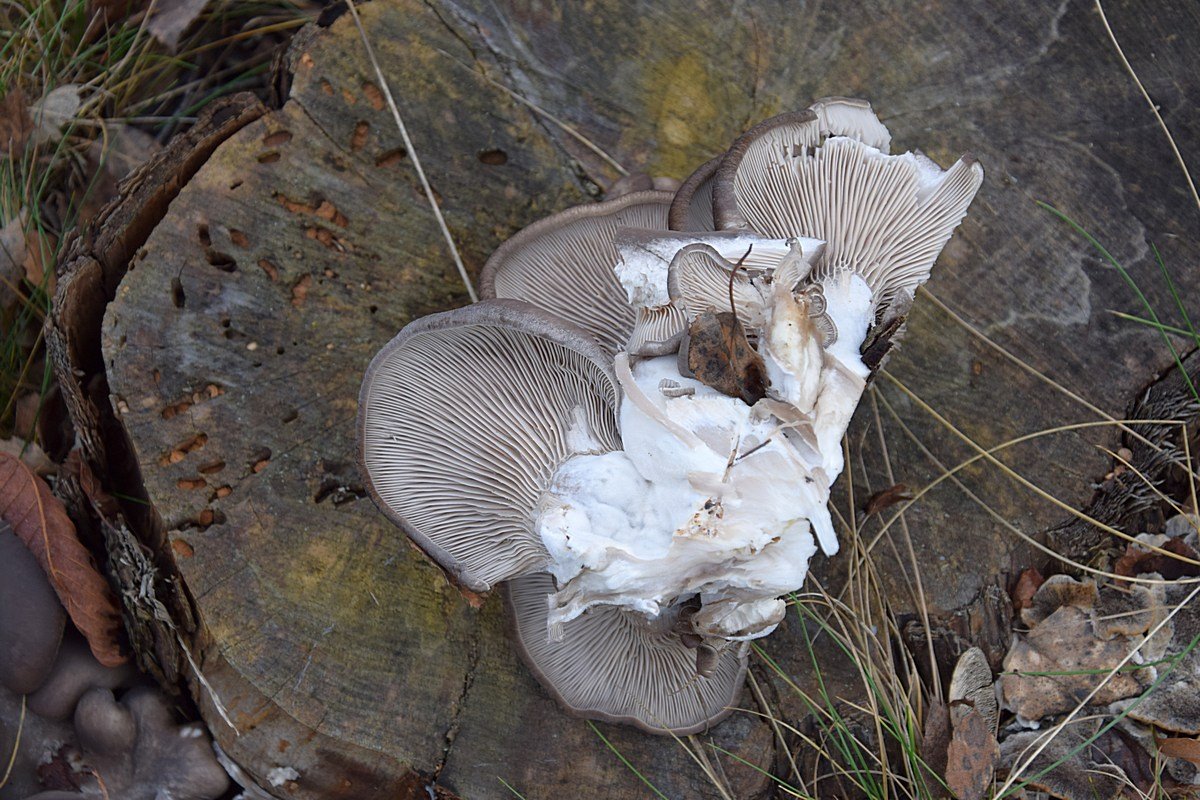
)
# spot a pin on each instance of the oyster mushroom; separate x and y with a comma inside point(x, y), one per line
point(619, 666)
point(826, 173)
point(133, 750)
point(31, 617)
point(464, 419)
point(563, 264)
point(650, 518)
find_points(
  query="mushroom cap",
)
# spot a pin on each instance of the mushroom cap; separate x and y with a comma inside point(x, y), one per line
point(564, 264)
point(75, 671)
point(463, 419)
point(31, 617)
point(614, 665)
point(807, 173)
point(692, 208)
point(140, 753)
point(971, 688)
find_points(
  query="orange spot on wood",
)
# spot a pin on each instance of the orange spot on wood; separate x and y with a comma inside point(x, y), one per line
point(182, 548)
point(300, 290)
point(394, 156)
point(359, 137)
point(373, 95)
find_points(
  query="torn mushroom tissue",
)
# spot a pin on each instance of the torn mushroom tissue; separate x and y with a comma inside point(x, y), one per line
point(711, 496)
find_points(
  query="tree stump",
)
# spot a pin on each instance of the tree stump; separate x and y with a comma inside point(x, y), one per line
point(338, 661)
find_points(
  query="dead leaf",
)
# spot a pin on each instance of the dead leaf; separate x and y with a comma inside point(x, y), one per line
point(718, 355)
point(25, 252)
point(29, 453)
point(1137, 561)
point(127, 148)
point(40, 521)
point(972, 757)
point(104, 503)
point(1180, 747)
point(886, 497)
point(12, 257)
point(54, 111)
point(1067, 764)
point(1061, 660)
point(40, 257)
point(1027, 585)
point(15, 124)
point(935, 740)
point(171, 18)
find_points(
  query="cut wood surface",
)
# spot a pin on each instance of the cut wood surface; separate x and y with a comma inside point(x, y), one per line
point(341, 663)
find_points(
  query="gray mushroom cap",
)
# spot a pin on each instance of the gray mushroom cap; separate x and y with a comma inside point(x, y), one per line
point(563, 264)
point(141, 754)
point(692, 208)
point(463, 419)
point(31, 617)
point(614, 665)
point(75, 672)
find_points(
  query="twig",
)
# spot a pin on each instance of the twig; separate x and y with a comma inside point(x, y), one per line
point(412, 152)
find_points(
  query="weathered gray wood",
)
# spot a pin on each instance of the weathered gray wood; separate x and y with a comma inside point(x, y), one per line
point(305, 243)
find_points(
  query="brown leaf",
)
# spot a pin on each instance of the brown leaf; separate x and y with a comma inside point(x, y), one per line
point(104, 503)
point(934, 742)
point(1137, 561)
point(40, 521)
point(718, 355)
point(15, 124)
point(972, 757)
point(886, 497)
point(1027, 586)
point(171, 18)
point(56, 111)
point(12, 256)
point(1180, 747)
point(29, 454)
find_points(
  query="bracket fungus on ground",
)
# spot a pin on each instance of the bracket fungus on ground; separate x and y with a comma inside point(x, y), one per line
point(639, 427)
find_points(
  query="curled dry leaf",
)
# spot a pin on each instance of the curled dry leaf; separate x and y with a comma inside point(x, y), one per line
point(935, 740)
point(1027, 585)
point(15, 124)
point(104, 503)
point(972, 757)
point(718, 355)
point(40, 521)
point(54, 111)
point(171, 18)
point(1138, 561)
point(887, 497)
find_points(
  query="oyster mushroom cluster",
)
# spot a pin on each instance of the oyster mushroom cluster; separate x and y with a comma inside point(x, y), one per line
point(637, 430)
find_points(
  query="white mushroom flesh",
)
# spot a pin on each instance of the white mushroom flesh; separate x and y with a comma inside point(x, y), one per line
point(708, 495)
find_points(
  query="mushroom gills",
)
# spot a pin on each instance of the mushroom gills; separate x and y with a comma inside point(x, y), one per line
point(615, 665)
